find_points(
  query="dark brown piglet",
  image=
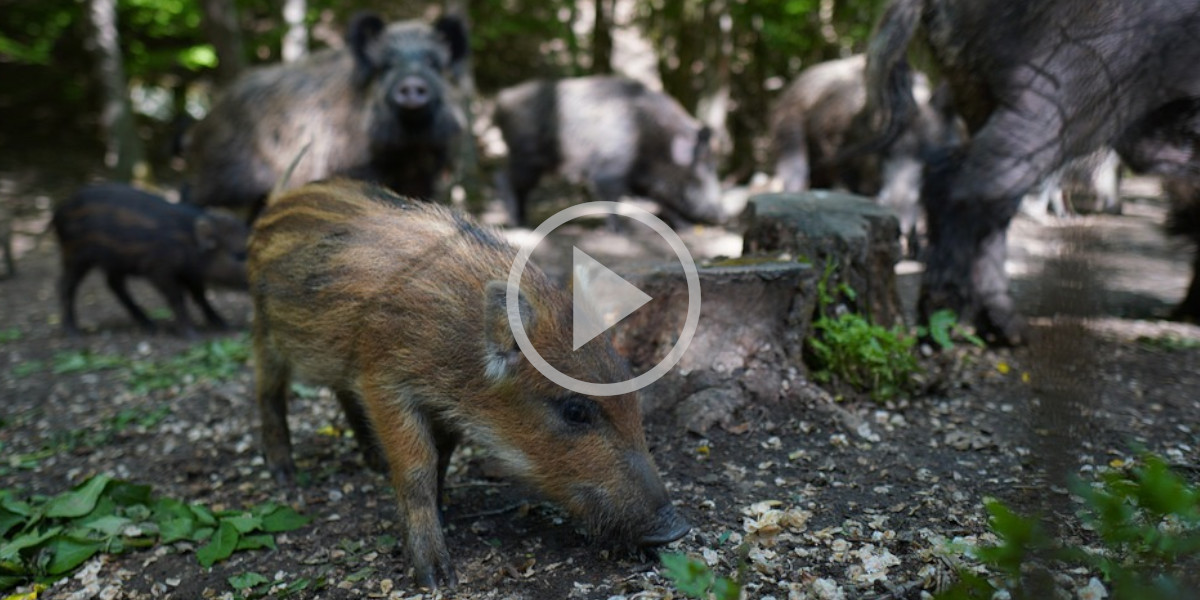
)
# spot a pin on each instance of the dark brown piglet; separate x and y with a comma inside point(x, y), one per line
point(129, 232)
point(399, 307)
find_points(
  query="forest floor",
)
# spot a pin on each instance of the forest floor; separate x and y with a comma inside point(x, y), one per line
point(873, 497)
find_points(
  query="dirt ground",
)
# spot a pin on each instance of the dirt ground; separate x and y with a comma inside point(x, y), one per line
point(873, 494)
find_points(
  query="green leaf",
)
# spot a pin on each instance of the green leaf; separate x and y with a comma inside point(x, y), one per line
point(70, 553)
point(203, 515)
point(283, 519)
point(247, 580)
point(173, 530)
point(691, 577)
point(80, 501)
point(8, 520)
point(244, 523)
point(9, 551)
point(220, 547)
point(256, 542)
point(109, 525)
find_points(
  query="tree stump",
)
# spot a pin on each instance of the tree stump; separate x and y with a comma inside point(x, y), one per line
point(861, 238)
point(754, 317)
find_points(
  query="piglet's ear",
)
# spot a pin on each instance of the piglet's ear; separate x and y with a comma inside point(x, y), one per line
point(500, 347)
point(364, 30)
point(454, 31)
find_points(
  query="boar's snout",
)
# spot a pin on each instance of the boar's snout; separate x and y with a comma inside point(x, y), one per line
point(665, 525)
point(411, 93)
point(668, 526)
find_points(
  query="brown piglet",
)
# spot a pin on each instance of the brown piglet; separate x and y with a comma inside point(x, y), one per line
point(399, 306)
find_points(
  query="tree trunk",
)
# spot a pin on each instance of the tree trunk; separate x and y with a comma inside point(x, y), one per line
point(602, 43)
point(123, 149)
point(221, 27)
point(295, 40)
point(712, 108)
point(467, 174)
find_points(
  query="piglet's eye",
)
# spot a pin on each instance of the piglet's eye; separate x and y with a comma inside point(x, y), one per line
point(578, 412)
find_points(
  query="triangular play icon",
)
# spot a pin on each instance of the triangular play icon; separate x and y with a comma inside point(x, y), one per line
point(600, 298)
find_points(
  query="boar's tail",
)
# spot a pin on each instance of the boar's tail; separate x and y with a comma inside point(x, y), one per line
point(281, 184)
point(890, 106)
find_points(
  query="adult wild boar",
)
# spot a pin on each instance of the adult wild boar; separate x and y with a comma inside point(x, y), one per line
point(1037, 83)
point(813, 126)
point(384, 108)
point(401, 308)
point(616, 135)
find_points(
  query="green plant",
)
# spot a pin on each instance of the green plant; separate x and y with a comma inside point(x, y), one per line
point(1147, 519)
point(1169, 342)
point(44, 539)
point(11, 334)
point(851, 349)
point(695, 579)
point(250, 586)
point(944, 328)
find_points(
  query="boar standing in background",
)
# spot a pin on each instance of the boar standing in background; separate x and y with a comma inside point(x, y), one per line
point(812, 127)
point(383, 109)
point(614, 134)
point(128, 232)
point(1037, 83)
point(399, 306)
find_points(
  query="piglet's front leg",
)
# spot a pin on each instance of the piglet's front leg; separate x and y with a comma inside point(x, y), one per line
point(409, 445)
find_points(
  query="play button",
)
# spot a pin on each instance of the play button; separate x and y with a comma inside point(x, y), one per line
point(602, 298)
point(599, 298)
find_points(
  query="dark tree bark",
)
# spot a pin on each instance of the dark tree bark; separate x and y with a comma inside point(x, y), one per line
point(602, 42)
point(123, 149)
point(221, 27)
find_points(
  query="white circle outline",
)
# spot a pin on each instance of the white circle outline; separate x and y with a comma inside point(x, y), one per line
point(690, 323)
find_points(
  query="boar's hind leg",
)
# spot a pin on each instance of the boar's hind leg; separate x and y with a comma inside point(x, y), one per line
point(210, 314)
point(368, 442)
point(116, 283)
point(272, 375)
point(73, 274)
point(969, 201)
point(408, 441)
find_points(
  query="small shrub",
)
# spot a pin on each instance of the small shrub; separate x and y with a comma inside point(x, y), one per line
point(1147, 520)
point(694, 579)
point(848, 348)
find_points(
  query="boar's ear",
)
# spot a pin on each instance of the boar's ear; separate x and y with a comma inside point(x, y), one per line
point(205, 232)
point(454, 32)
point(686, 151)
point(364, 29)
point(500, 345)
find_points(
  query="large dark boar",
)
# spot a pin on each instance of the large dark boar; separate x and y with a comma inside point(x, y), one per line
point(614, 134)
point(129, 232)
point(813, 126)
point(399, 306)
point(1037, 83)
point(383, 109)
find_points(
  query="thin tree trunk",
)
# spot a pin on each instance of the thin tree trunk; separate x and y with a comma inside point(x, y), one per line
point(712, 108)
point(221, 27)
point(467, 175)
point(602, 43)
point(295, 40)
point(123, 149)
